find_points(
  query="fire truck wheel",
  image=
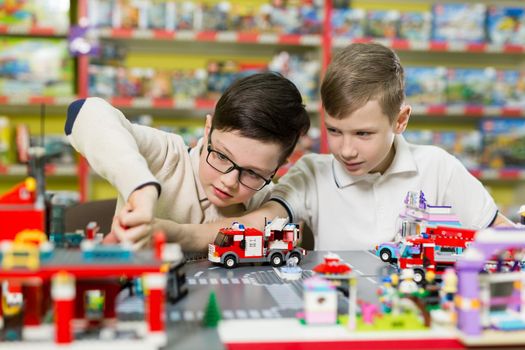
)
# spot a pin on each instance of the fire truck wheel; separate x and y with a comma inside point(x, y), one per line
point(295, 256)
point(419, 276)
point(276, 260)
point(385, 255)
point(230, 262)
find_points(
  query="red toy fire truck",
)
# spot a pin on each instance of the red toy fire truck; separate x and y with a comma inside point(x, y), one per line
point(437, 249)
point(239, 244)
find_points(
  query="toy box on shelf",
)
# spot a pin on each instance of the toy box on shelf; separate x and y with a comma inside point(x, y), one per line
point(302, 70)
point(6, 142)
point(459, 22)
point(415, 26)
point(382, 24)
point(503, 143)
point(470, 86)
point(29, 14)
point(275, 17)
point(509, 88)
point(467, 146)
point(35, 66)
point(426, 85)
point(348, 22)
point(208, 82)
point(506, 25)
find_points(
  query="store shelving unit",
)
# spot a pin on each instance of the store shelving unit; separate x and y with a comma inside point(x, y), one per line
point(25, 108)
point(230, 41)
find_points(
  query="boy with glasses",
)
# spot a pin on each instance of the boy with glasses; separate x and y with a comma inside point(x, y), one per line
point(255, 127)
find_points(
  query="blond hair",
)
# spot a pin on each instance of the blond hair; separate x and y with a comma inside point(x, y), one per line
point(360, 73)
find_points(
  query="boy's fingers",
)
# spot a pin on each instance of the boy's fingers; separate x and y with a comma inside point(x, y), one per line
point(135, 218)
point(142, 243)
point(133, 234)
point(118, 230)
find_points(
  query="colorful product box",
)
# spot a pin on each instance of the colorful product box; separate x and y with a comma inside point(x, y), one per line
point(311, 18)
point(506, 25)
point(5, 141)
point(509, 88)
point(349, 23)
point(36, 67)
point(102, 81)
point(470, 86)
point(382, 24)
point(185, 15)
point(464, 145)
point(415, 26)
point(161, 15)
point(216, 17)
point(35, 13)
point(503, 143)
point(425, 85)
point(100, 13)
point(302, 70)
point(459, 22)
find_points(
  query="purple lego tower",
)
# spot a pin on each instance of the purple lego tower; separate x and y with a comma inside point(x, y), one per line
point(468, 300)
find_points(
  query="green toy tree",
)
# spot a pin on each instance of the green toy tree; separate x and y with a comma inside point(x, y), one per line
point(212, 314)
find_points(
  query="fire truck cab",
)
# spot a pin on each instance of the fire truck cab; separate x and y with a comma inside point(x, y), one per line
point(240, 244)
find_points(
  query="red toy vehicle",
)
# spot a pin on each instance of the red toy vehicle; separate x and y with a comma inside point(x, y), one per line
point(436, 250)
point(238, 244)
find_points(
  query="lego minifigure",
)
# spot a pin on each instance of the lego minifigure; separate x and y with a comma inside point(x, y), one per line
point(12, 311)
point(385, 294)
point(449, 288)
point(407, 285)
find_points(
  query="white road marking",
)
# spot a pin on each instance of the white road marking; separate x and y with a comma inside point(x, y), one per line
point(372, 280)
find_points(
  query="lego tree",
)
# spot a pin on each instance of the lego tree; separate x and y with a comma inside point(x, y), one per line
point(212, 314)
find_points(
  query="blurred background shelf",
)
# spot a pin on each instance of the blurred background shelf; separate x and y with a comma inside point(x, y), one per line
point(165, 64)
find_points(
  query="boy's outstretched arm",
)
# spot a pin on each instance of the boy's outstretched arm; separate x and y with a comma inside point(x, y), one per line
point(113, 146)
point(196, 237)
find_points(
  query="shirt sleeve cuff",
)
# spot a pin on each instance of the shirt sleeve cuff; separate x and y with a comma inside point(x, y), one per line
point(285, 206)
point(493, 219)
point(156, 184)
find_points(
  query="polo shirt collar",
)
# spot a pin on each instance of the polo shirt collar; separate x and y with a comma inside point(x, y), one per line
point(403, 162)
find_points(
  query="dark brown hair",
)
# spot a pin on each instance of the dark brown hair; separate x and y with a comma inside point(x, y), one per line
point(360, 73)
point(265, 107)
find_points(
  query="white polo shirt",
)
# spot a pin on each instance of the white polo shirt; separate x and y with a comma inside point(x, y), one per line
point(357, 212)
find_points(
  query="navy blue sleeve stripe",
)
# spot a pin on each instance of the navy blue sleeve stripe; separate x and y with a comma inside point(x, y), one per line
point(72, 112)
point(494, 219)
point(285, 206)
point(157, 186)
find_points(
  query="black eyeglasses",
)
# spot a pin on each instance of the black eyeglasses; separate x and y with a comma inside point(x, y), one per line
point(224, 165)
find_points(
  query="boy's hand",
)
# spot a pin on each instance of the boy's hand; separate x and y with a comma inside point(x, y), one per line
point(134, 223)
